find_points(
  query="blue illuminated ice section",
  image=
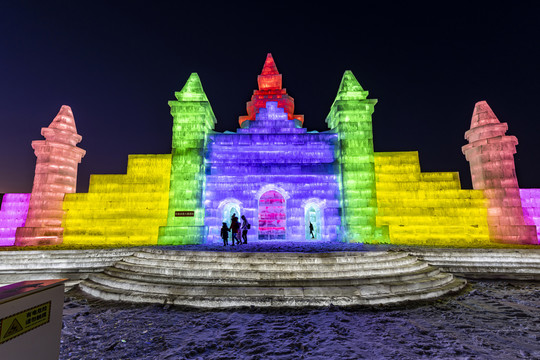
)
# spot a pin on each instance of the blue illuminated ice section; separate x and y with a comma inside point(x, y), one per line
point(278, 175)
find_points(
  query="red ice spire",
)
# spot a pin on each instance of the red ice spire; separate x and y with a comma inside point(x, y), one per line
point(270, 78)
point(270, 89)
point(269, 67)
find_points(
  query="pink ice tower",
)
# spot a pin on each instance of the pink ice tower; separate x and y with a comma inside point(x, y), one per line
point(490, 153)
point(58, 158)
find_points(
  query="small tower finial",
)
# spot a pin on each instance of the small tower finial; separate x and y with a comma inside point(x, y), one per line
point(270, 78)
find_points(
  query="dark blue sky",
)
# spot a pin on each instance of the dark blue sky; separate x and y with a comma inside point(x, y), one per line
point(118, 63)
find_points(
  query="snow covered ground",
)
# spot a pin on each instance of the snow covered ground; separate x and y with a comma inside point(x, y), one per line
point(495, 320)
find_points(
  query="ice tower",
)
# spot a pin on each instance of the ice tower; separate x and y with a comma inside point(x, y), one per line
point(193, 119)
point(350, 117)
point(490, 153)
point(58, 158)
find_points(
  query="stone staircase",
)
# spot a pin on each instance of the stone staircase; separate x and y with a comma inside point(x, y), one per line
point(511, 264)
point(74, 265)
point(210, 279)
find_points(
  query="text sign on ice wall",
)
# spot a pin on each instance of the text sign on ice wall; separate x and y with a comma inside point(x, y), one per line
point(184, 213)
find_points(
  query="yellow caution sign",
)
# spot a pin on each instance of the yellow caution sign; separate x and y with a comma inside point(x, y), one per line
point(24, 321)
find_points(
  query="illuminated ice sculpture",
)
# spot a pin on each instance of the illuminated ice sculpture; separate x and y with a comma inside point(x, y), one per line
point(58, 158)
point(491, 157)
point(281, 176)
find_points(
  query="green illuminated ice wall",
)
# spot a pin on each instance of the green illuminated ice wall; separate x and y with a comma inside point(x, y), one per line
point(350, 117)
point(193, 118)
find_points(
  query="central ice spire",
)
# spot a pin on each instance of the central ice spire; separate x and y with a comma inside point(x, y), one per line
point(270, 89)
point(270, 78)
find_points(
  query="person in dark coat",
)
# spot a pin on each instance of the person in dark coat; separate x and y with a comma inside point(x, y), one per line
point(225, 234)
point(311, 230)
point(235, 226)
point(245, 228)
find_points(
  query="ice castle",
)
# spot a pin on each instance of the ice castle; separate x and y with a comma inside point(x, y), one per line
point(278, 174)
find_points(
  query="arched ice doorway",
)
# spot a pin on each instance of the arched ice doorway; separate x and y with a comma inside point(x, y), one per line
point(313, 218)
point(229, 210)
point(272, 216)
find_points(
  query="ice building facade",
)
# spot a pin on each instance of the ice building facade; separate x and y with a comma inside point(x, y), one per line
point(279, 175)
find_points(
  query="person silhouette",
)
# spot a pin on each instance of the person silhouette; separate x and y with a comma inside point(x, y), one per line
point(245, 228)
point(311, 230)
point(235, 226)
point(225, 234)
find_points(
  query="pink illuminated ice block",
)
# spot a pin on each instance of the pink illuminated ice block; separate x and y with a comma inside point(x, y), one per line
point(58, 158)
point(490, 153)
point(12, 215)
point(530, 201)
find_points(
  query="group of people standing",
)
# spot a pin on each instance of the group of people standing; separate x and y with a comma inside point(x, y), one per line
point(239, 231)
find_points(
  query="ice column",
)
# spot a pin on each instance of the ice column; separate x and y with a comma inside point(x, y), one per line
point(491, 157)
point(58, 158)
point(350, 117)
point(193, 118)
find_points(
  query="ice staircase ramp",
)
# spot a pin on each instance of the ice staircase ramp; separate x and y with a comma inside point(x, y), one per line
point(211, 279)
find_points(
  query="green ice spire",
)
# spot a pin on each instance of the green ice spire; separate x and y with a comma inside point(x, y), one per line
point(192, 90)
point(350, 88)
point(350, 117)
point(193, 119)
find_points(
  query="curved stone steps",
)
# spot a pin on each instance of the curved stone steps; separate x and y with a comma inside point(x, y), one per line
point(411, 265)
point(74, 265)
point(261, 257)
point(253, 264)
point(269, 279)
point(515, 264)
point(425, 271)
point(108, 293)
point(392, 287)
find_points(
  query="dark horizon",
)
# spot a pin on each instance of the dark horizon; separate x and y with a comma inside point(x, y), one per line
point(118, 64)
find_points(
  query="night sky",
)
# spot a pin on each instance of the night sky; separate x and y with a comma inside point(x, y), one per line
point(117, 64)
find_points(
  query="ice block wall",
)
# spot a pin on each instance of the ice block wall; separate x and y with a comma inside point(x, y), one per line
point(428, 209)
point(121, 210)
point(193, 119)
point(13, 212)
point(490, 153)
point(58, 158)
point(530, 201)
point(350, 117)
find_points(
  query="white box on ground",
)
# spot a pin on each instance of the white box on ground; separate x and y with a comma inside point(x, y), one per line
point(31, 319)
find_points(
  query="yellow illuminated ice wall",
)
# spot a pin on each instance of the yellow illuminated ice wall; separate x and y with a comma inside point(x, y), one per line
point(427, 208)
point(123, 210)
